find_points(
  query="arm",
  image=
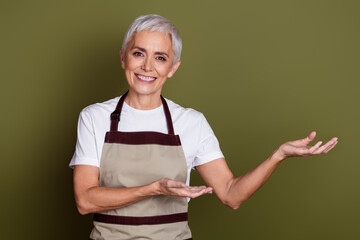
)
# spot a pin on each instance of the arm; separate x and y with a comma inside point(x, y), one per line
point(90, 197)
point(234, 191)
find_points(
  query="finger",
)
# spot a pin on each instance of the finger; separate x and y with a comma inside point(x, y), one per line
point(316, 146)
point(208, 190)
point(309, 138)
point(196, 188)
point(197, 194)
point(325, 146)
point(182, 192)
point(196, 191)
point(329, 148)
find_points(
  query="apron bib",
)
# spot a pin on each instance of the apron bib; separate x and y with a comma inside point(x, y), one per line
point(131, 159)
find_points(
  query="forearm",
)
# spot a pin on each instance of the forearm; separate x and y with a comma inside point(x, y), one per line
point(97, 199)
point(241, 188)
point(234, 191)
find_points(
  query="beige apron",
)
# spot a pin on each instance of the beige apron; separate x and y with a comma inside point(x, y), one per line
point(132, 159)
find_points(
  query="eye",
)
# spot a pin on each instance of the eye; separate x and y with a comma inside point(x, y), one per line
point(138, 54)
point(161, 59)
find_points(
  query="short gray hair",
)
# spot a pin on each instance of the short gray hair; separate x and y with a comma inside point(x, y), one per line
point(153, 22)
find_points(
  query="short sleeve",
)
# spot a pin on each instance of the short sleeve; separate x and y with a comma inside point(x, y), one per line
point(85, 150)
point(208, 148)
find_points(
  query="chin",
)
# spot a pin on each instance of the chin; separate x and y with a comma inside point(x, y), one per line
point(144, 91)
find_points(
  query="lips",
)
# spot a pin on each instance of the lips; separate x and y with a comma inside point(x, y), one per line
point(144, 78)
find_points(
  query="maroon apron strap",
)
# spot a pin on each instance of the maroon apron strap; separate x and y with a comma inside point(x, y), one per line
point(136, 221)
point(115, 116)
point(168, 116)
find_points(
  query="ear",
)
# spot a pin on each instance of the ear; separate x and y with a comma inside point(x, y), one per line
point(122, 58)
point(174, 68)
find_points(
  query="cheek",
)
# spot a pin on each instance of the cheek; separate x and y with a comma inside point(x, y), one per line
point(163, 70)
point(132, 63)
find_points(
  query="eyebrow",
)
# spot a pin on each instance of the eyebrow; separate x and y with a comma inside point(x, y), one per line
point(144, 50)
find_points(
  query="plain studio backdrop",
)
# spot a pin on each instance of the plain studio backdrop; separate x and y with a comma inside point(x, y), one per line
point(262, 72)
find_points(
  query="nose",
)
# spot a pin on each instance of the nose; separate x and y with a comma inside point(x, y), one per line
point(147, 64)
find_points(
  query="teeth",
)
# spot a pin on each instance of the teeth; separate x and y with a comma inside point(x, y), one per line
point(144, 78)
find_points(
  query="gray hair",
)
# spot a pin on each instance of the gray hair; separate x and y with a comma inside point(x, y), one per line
point(152, 23)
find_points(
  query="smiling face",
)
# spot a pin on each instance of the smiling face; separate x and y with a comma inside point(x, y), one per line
point(148, 62)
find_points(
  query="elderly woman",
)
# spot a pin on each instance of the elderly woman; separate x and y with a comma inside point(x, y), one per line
point(137, 180)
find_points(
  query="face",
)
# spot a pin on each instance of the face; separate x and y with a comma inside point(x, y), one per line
point(148, 62)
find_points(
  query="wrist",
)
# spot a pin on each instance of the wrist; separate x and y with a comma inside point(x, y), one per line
point(278, 156)
point(154, 188)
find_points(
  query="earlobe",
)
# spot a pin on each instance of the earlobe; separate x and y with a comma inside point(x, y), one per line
point(174, 68)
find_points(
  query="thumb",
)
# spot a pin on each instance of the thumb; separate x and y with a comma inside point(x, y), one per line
point(310, 137)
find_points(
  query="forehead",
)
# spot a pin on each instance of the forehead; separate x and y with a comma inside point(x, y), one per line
point(152, 41)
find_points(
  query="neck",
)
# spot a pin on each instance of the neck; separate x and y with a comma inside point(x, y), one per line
point(143, 102)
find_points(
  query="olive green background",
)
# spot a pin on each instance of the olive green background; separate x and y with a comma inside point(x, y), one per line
point(262, 72)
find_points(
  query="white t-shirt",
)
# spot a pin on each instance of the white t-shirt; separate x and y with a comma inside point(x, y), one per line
point(198, 141)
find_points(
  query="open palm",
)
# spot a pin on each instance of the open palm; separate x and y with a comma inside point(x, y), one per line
point(300, 148)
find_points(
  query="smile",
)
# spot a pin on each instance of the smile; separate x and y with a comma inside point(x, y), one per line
point(145, 78)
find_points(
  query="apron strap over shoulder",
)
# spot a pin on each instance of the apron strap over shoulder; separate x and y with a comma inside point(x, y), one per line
point(168, 116)
point(115, 116)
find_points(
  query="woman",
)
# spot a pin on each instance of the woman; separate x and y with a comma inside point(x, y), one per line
point(137, 182)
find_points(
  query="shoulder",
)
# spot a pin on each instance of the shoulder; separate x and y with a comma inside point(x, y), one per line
point(179, 112)
point(99, 109)
point(186, 120)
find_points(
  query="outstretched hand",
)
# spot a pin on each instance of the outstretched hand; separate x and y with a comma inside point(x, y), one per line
point(300, 148)
point(179, 189)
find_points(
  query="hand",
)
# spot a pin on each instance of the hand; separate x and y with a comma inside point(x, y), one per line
point(300, 148)
point(179, 189)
